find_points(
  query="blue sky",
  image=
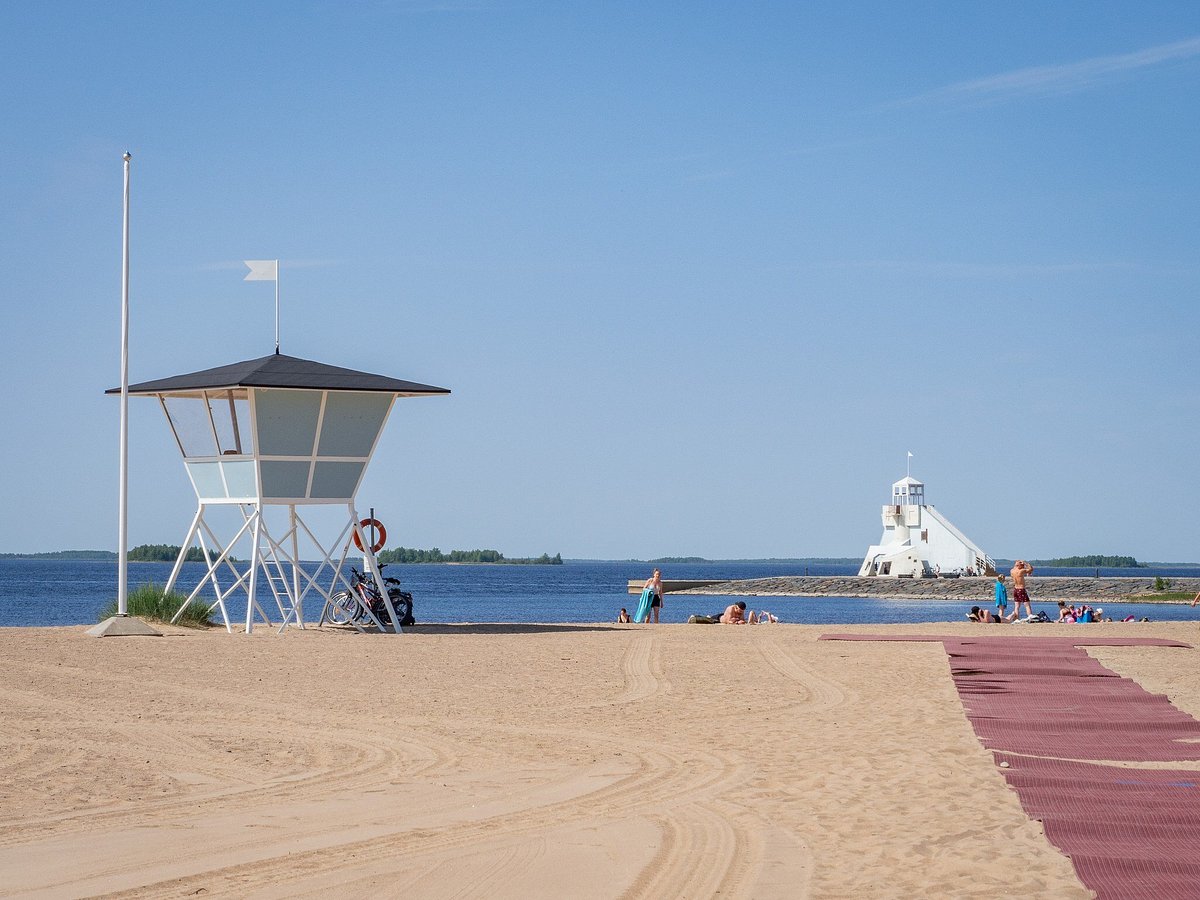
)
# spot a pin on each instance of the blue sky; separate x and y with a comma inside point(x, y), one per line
point(698, 274)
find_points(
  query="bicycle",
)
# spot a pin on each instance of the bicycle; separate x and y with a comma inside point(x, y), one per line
point(351, 606)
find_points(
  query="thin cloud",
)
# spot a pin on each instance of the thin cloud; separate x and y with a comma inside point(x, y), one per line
point(716, 175)
point(950, 269)
point(828, 146)
point(447, 6)
point(238, 265)
point(1040, 81)
point(420, 7)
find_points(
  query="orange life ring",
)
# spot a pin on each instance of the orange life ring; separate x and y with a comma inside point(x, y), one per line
point(364, 525)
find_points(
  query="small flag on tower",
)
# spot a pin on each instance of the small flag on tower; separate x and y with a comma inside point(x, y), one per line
point(266, 270)
point(262, 270)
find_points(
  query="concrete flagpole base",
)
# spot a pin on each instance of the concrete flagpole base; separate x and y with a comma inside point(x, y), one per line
point(122, 626)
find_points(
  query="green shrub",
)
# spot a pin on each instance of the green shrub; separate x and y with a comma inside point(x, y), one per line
point(148, 601)
point(1162, 584)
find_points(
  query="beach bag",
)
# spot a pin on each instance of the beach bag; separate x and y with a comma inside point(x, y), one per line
point(402, 602)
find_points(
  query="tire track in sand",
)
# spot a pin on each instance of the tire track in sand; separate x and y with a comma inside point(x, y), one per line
point(352, 759)
point(517, 858)
point(362, 761)
point(664, 779)
point(703, 852)
point(640, 680)
point(820, 692)
point(641, 670)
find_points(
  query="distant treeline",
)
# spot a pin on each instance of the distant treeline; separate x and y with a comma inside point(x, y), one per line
point(164, 553)
point(1103, 562)
point(63, 554)
point(410, 555)
point(140, 553)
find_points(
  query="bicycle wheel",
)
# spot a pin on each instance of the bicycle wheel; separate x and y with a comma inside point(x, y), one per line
point(403, 604)
point(361, 614)
point(343, 608)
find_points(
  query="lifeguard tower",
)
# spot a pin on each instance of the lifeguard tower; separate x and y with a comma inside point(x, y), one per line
point(919, 542)
point(277, 433)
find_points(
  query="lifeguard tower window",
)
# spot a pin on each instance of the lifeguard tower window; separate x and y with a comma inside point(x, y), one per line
point(211, 423)
point(287, 421)
point(352, 422)
point(314, 445)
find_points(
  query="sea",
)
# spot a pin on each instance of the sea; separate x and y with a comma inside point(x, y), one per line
point(74, 592)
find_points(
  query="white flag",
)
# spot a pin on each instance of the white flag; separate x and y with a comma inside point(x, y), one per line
point(262, 269)
point(909, 452)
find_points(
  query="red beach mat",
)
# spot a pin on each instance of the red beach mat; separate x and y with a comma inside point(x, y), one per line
point(1052, 713)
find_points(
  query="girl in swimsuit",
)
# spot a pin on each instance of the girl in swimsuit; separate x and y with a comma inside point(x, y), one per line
point(654, 583)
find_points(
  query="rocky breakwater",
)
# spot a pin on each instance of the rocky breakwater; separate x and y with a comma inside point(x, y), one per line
point(1041, 590)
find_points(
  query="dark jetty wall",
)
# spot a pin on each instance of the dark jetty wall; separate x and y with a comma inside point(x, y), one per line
point(975, 589)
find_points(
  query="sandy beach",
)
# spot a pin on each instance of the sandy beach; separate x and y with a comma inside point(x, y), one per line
point(519, 761)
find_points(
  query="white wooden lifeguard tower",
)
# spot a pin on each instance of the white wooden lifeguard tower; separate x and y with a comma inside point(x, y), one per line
point(919, 542)
point(277, 433)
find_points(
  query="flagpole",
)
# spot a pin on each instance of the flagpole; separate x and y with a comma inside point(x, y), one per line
point(277, 307)
point(123, 623)
point(123, 503)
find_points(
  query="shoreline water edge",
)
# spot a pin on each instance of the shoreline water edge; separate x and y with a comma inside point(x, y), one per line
point(47, 593)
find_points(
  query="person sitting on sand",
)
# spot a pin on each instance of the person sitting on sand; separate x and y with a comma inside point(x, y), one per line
point(1089, 614)
point(735, 614)
point(623, 618)
point(1065, 613)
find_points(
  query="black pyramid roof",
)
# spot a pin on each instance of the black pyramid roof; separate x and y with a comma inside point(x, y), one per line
point(281, 371)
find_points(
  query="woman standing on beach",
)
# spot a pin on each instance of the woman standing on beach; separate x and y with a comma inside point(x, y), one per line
point(654, 585)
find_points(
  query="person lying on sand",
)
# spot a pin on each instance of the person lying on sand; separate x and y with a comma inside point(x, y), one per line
point(735, 614)
point(623, 618)
point(984, 615)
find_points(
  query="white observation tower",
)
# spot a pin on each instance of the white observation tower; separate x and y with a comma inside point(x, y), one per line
point(918, 541)
point(284, 433)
